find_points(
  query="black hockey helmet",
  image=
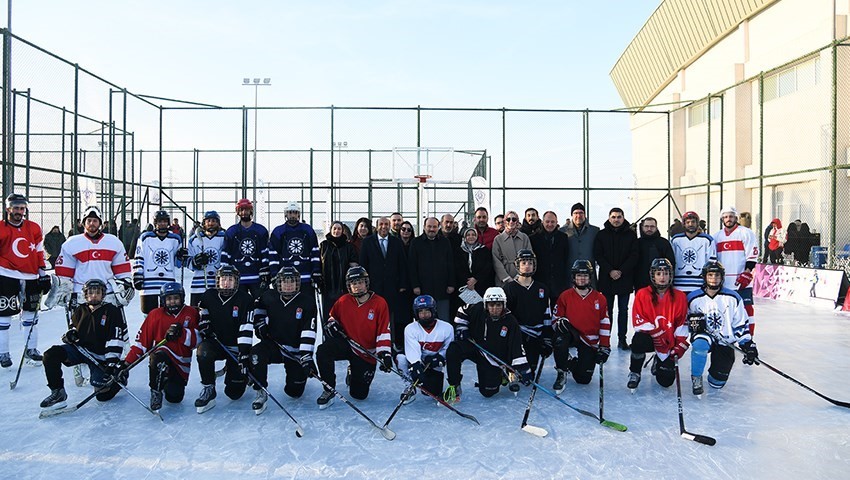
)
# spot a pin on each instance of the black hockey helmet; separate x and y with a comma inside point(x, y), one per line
point(660, 265)
point(580, 267)
point(16, 199)
point(356, 274)
point(161, 215)
point(712, 266)
point(227, 271)
point(287, 273)
point(95, 284)
point(172, 288)
point(526, 254)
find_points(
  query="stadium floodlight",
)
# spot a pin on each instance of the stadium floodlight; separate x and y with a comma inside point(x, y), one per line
point(266, 82)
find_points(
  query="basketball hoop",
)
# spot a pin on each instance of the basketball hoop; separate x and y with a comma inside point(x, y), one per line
point(422, 178)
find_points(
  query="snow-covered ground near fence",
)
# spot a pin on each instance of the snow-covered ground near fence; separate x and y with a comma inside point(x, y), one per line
point(765, 426)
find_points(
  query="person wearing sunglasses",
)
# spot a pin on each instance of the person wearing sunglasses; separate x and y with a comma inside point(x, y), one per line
point(505, 248)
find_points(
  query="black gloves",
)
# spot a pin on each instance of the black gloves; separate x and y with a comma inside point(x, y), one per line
point(334, 329)
point(244, 360)
point(435, 361)
point(308, 365)
point(174, 332)
point(71, 337)
point(602, 354)
point(201, 260)
point(546, 347)
point(385, 361)
point(751, 353)
point(138, 280)
point(461, 334)
point(416, 371)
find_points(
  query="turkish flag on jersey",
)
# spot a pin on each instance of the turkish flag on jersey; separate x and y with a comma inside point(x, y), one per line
point(21, 250)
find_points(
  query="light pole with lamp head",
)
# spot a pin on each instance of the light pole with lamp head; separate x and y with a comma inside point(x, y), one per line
point(266, 82)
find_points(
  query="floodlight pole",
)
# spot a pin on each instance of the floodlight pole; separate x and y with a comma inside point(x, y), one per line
point(267, 82)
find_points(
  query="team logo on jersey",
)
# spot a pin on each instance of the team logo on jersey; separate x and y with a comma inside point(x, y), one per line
point(213, 254)
point(504, 331)
point(689, 256)
point(714, 320)
point(103, 321)
point(299, 313)
point(247, 247)
point(161, 257)
point(235, 311)
point(596, 305)
point(186, 322)
point(295, 246)
point(12, 303)
point(540, 293)
point(16, 249)
point(371, 315)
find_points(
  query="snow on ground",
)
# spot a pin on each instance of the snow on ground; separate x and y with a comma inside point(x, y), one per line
point(765, 426)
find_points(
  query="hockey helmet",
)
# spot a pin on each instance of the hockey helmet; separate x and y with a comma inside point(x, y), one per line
point(287, 277)
point(690, 214)
point(244, 203)
point(425, 302)
point(729, 210)
point(292, 206)
point(92, 286)
point(492, 297)
point(168, 290)
point(93, 212)
point(660, 265)
point(212, 214)
point(525, 254)
point(161, 215)
point(222, 275)
point(715, 267)
point(356, 274)
point(16, 199)
point(582, 267)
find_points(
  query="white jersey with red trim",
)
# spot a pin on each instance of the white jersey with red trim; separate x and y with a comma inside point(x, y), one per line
point(420, 343)
point(734, 249)
point(21, 250)
point(83, 258)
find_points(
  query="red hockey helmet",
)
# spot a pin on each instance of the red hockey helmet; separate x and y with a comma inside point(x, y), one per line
point(244, 203)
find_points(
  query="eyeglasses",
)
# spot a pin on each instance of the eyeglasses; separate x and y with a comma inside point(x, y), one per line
point(405, 229)
point(511, 219)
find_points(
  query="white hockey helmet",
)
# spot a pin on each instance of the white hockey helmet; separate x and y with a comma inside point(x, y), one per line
point(93, 212)
point(495, 294)
point(292, 206)
point(729, 209)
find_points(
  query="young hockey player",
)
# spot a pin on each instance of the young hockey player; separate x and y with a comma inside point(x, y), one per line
point(425, 344)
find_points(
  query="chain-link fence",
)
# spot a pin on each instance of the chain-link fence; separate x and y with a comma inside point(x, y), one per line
point(775, 145)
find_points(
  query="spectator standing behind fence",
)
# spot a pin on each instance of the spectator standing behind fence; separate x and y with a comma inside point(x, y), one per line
point(505, 248)
point(382, 255)
point(675, 228)
point(486, 233)
point(337, 255)
point(431, 266)
point(362, 229)
point(53, 244)
point(616, 251)
point(474, 264)
point(651, 245)
point(776, 242)
point(176, 228)
point(582, 236)
point(552, 249)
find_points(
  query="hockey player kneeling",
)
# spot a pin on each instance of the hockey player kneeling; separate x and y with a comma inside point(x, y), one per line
point(659, 319)
point(717, 318)
point(177, 323)
point(284, 317)
point(100, 329)
point(225, 320)
point(425, 343)
point(493, 327)
point(362, 316)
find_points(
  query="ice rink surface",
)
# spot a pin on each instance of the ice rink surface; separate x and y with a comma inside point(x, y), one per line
point(765, 426)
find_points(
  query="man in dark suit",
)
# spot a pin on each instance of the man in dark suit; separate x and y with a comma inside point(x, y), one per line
point(551, 246)
point(382, 255)
point(431, 266)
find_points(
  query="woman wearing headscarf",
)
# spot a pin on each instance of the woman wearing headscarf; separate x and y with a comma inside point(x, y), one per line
point(474, 263)
point(337, 255)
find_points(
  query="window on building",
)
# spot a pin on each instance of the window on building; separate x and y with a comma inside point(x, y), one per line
point(792, 79)
point(698, 112)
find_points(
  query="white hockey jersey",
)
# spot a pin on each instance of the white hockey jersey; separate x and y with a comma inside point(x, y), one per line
point(691, 254)
point(420, 344)
point(726, 319)
point(83, 258)
point(734, 250)
point(212, 246)
point(155, 260)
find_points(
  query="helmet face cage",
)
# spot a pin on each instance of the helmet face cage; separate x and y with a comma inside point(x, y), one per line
point(227, 273)
point(660, 265)
point(93, 286)
point(161, 215)
point(525, 255)
point(581, 267)
point(16, 199)
point(168, 290)
point(713, 267)
point(93, 212)
point(287, 276)
point(354, 275)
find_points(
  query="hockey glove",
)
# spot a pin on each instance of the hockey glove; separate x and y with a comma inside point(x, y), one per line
point(546, 347)
point(308, 365)
point(561, 325)
point(385, 360)
point(334, 329)
point(696, 323)
point(244, 360)
point(181, 254)
point(262, 329)
point(201, 260)
point(138, 281)
point(526, 377)
point(435, 361)
point(124, 291)
point(205, 329)
point(174, 332)
point(416, 371)
point(602, 354)
point(751, 353)
point(461, 334)
point(317, 282)
point(71, 337)
point(115, 370)
point(744, 280)
point(265, 279)
point(44, 284)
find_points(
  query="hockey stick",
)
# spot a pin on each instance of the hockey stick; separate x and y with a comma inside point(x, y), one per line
point(759, 361)
point(79, 380)
point(299, 432)
point(409, 391)
point(605, 423)
point(385, 432)
point(97, 364)
point(404, 377)
point(684, 433)
point(14, 383)
point(536, 431)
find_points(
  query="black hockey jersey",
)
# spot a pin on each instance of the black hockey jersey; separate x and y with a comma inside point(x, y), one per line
point(231, 318)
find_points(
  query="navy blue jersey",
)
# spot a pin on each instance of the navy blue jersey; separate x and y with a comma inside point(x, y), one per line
point(295, 247)
point(247, 249)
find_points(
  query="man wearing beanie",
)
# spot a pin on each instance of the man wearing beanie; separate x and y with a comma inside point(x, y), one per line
point(581, 235)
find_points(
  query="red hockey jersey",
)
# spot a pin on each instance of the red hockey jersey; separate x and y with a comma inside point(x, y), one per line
point(666, 321)
point(153, 330)
point(367, 324)
point(21, 250)
point(588, 314)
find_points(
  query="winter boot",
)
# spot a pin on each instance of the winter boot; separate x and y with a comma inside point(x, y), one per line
point(452, 394)
point(206, 400)
point(33, 357)
point(259, 403)
point(5, 360)
point(560, 381)
point(634, 380)
point(55, 400)
point(156, 400)
point(325, 400)
point(697, 381)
